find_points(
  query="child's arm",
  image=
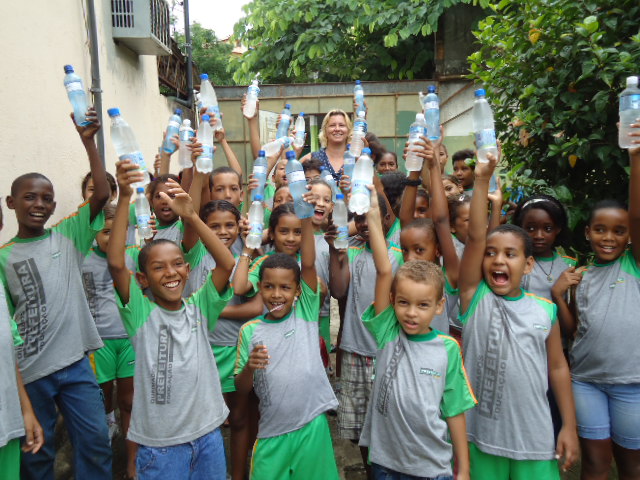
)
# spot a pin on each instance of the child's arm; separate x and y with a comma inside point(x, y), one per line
point(252, 308)
point(258, 360)
point(241, 283)
point(634, 195)
point(221, 138)
point(458, 432)
point(566, 316)
point(308, 249)
point(190, 237)
point(408, 206)
point(34, 435)
point(384, 272)
point(560, 381)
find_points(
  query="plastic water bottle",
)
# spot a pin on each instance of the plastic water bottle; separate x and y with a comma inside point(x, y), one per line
point(260, 172)
point(184, 154)
point(362, 176)
point(77, 95)
point(431, 110)
point(418, 128)
point(483, 127)
point(325, 175)
point(210, 100)
point(173, 128)
point(360, 122)
point(271, 148)
point(298, 141)
point(256, 219)
point(349, 163)
point(629, 113)
point(204, 162)
point(357, 140)
point(341, 221)
point(358, 95)
point(125, 144)
point(253, 91)
point(297, 186)
point(143, 214)
point(285, 121)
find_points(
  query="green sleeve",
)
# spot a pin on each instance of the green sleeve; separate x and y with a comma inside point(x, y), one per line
point(7, 294)
point(244, 345)
point(482, 290)
point(210, 302)
point(254, 275)
point(133, 220)
point(79, 228)
point(132, 253)
point(135, 313)
point(269, 191)
point(384, 326)
point(629, 264)
point(17, 339)
point(549, 307)
point(194, 256)
point(397, 253)
point(458, 396)
point(447, 286)
point(266, 217)
point(309, 303)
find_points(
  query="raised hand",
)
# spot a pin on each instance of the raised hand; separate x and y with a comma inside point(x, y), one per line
point(88, 131)
point(179, 201)
point(258, 358)
point(127, 173)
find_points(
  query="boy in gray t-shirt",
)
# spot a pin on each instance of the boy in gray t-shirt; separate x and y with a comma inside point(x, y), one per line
point(178, 397)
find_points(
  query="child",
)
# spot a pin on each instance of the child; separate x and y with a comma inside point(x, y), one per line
point(421, 388)
point(388, 163)
point(41, 272)
point(278, 356)
point(506, 332)
point(459, 209)
point(88, 188)
point(463, 168)
point(312, 169)
point(452, 187)
point(227, 185)
point(176, 374)
point(169, 225)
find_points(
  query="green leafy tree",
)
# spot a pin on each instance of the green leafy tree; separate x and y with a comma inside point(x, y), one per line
point(339, 40)
point(553, 70)
point(210, 54)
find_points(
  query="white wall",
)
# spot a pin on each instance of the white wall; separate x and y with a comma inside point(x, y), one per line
point(38, 134)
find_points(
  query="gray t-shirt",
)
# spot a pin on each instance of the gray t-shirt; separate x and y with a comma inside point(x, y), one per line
point(98, 288)
point(178, 397)
point(355, 337)
point(173, 232)
point(505, 353)
point(420, 382)
point(545, 273)
point(605, 349)
point(11, 424)
point(294, 388)
point(42, 278)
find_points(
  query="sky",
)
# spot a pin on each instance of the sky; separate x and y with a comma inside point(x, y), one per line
point(217, 15)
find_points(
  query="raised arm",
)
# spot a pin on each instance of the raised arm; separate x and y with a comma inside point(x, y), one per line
point(232, 160)
point(408, 206)
point(308, 249)
point(190, 237)
point(384, 272)
point(634, 195)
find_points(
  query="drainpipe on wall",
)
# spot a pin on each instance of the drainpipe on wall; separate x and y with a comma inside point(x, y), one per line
point(187, 43)
point(96, 89)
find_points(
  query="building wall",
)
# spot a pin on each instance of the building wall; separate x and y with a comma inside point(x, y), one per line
point(38, 134)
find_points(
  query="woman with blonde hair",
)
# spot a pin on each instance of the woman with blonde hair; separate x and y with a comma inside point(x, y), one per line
point(334, 136)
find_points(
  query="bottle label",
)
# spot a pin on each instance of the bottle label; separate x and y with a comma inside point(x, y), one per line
point(142, 220)
point(135, 157)
point(630, 102)
point(173, 124)
point(256, 228)
point(207, 151)
point(74, 87)
point(343, 233)
point(431, 105)
point(417, 130)
point(253, 90)
point(486, 138)
point(360, 187)
point(187, 135)
point(259, 170)
point(297, 176)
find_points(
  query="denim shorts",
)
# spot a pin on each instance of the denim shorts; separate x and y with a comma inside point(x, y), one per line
point(608, 411)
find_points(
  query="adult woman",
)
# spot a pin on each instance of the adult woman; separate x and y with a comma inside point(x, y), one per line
point(334, 136)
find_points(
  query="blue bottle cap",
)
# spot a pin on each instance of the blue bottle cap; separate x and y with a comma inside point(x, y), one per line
point(339, 196)
point(262, 153)
point(366, 151)
point(113, 112)
point(206, 118)
point(68, 69)
point(301, 114)
point(357, 82)
point(290, 155)
point(178, 111)
point(431, 89)
point(204, 76)
point(287, 105)
point(257, 198)
point(480, 92)
point(348, 146)
point(140, 190)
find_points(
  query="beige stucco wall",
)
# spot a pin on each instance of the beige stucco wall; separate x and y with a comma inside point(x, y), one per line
point(37, 135)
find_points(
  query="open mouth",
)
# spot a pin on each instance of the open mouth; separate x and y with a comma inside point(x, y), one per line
point(500, 278)
point(38, 215)
point(276, 306)
point(318, 214)
point(607, 248)
point(173, 284)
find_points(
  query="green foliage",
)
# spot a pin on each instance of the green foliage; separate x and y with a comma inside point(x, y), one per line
point(211, 55)
point(338, 40)
point(553, 70)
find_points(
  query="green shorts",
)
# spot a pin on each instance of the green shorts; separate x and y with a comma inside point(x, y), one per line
point(304, 454)
point(115, 360)
point(492, 467)
point(226, 360)
point(10, 460)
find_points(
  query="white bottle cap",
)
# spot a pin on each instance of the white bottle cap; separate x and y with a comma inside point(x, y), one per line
point(419, 117)
point(186, 122)
point(632, 81)
point(361, 114)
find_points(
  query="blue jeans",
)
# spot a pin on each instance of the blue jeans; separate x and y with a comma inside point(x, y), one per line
point(384, 473)
point(202, 459)
point(76, 393)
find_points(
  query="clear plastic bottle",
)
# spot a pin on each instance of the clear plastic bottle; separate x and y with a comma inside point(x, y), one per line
point(431, 110)
point(204, 162)
point(274, 147)
point(357, 140)
point(358, 95)
point(418, 128)
point(260, 166)
point(125, 143)
point(184, 154)
point(349, 163)
point(361, 122)
point(253, 91)
point(362, 176)
point(285, 122)
point(173, 128)
point(629, 113)
point(143, 214)
point(483, 127)
point(341, 221)
point(77, 95)
point(297, 186)
point(256, 219)
point(210, 100)
point(325, 175)
point(298, 141)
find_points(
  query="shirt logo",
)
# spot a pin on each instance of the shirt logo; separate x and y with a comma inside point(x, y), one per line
point(617, 282)
point(430, 371)
point(537, 326)
point(289, 333)
point(55, 254)
point(162, 380)
point(33, 320)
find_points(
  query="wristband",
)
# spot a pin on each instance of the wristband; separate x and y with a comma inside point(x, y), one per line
point(243, 254)
point(413, 183)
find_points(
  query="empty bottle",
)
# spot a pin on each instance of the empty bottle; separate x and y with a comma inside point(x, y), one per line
point(298, 141)
point(431, 110)
point(341, 221)
point(349, 163)
point(358, 95)
point(256, 219)
point(184, 154)
point(143, 214)
point(418, 128)
point(173, 128)
point(362, 176)
point(210, 100)
point(629, 113)
point(260, 172)
point(357, 140)
point(360, 122)
point(274, 147)
point(325, 175)
point(253, 91)
point(125, 144)
point(204, 162)
point(77, 96)
point(483, 127)
point(285, 122)
point(297, 186)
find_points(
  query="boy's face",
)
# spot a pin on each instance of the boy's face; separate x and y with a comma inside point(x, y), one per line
point(102, 238)
point(324, 204)
point(225, 226)
point(464, 173)
point(280, 173)
point(283, 195)
point(279, 289)
point(387, 164)
point(416, 304)
point(505, 263)
point(451, 190)
point(34, 204)
point(422, 207)
point(608, 233)
point(227, 187)
point(461, 224)
point(89, 188)
point(418, 244)
point(362, 227)
point(160, 206)
point(166, 275)
point(311, 174)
